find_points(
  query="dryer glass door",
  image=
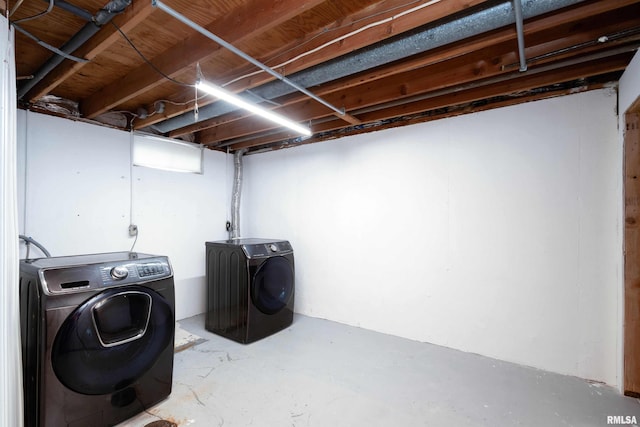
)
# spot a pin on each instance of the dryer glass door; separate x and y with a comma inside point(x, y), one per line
point(272, 286)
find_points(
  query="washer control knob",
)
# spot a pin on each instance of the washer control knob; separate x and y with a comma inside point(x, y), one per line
point(273, 247)
point(119, 273)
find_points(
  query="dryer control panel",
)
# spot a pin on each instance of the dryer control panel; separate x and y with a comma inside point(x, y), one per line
point(267, 249)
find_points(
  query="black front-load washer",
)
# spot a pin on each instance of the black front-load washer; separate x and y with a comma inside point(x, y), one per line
point(97, 337)
point(250, 288)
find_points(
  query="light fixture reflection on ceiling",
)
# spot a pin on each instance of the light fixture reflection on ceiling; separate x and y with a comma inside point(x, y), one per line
point(234, 99)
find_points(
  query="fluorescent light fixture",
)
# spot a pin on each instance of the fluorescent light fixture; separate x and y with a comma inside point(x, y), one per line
point(234, 99)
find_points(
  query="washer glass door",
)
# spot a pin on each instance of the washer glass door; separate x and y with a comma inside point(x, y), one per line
point(272, 285)
point(112, 339)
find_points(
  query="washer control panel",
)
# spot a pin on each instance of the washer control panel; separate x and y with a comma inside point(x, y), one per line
point(139, 271)
point(80, 278)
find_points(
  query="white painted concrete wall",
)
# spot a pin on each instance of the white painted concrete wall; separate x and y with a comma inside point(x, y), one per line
point(496, 233)
point(75, 198)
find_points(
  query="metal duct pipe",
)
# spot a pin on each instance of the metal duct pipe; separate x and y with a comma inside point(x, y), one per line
point(237, 192)
point(78, 11)
point(104, 15)
point(517, 7)
point(399, 47)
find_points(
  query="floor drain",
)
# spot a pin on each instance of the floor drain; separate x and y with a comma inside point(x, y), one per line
point(162, 423)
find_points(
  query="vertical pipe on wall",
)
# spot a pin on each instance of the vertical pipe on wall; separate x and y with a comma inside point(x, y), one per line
point(237, 192)
point(517, 7)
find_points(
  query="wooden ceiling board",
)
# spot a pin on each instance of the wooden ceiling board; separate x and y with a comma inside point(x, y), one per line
point(203, 12)
point(91, 78)
point(157, 33)
point(326, 14)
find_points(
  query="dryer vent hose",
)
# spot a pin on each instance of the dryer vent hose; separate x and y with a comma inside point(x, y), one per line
point(237, 192)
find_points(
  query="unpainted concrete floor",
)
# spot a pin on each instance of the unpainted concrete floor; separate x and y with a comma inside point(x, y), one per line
point(321, 373)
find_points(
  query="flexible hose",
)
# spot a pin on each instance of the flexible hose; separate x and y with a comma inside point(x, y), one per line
point(29, 240)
